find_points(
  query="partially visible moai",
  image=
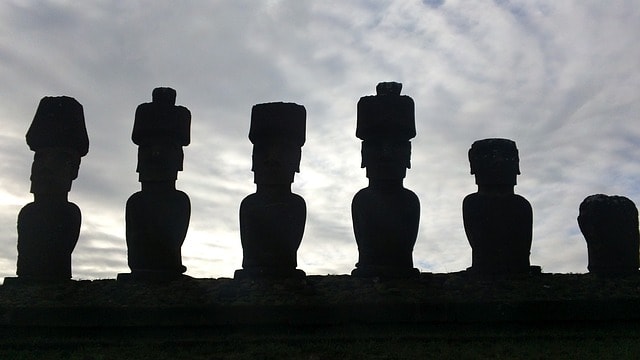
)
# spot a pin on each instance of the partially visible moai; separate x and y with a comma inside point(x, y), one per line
point(157, 218)
point(385, 214)
point(498, 222)
point(48, 228)
point(610, 226)
point(272, 219)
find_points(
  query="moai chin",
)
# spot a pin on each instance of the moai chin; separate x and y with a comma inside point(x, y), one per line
point(272, 219)
point(157, 217)
point(610, 227)
point(498, 223)
point(385, 214)
point(48, 228)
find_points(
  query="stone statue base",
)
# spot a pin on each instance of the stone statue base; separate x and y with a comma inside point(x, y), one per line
point(150, 276)
point(269, 273)
point(530, 270)
point(386, 272)
point(26, 280)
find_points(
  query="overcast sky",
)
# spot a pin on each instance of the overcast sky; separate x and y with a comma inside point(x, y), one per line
point(560, 78)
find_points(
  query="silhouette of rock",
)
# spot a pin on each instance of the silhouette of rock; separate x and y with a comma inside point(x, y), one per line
point(272, 219)
point(157, 218)
point(610, 226)
point(498, 223)
point(385, 214)
point(48, 228)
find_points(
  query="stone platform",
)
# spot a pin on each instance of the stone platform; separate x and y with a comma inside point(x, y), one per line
point(455, 298)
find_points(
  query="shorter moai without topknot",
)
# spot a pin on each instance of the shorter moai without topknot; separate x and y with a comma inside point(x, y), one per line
point(272, 220)
point(48, 228)
point(610, 226)
point(157, 218)
point(385, 214)
point(498, 223)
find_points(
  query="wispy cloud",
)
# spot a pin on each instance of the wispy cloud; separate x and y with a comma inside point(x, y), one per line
point(562, 79)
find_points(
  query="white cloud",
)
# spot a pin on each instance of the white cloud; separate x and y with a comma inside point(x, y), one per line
point(562, 79)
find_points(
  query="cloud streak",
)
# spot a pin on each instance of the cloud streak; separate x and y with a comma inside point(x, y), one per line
point(561, 79)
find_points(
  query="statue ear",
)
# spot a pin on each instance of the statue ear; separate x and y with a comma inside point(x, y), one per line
point(253, 158)
point(363, 156)
point(470, 156)
point(298, 159)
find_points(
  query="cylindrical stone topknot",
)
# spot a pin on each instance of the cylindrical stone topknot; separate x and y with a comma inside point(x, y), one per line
point(387, 115)
point(278, 122)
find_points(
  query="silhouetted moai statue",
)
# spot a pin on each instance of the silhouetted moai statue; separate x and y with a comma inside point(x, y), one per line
point(385, 214)
point(498, 223)
point(610, 226)
point(272, 219)
point(157, 218)
point(48, 228)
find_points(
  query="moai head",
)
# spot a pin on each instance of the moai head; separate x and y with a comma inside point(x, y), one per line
point(160, 130)
point(58, 136)
point(386, 123)
point(610, 226)
point(277, 133)
point(494, 162)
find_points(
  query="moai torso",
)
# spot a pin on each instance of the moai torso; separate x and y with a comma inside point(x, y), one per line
point(385, 214)
point(610, 227)
point(48, 228)
point(498, 223)
point(272, 220)
point(157, 218)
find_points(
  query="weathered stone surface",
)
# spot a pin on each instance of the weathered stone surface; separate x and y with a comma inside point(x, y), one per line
point(498, 223)
point(385, 214)
point(610, 226)
point(386, 115)
point(47, 234)
point(157, 218)
point(272, 220)
point(157, 223)
point(438, 299)
point(59, 123)
point(49, 227)
point(160, 130)
point(278, 122)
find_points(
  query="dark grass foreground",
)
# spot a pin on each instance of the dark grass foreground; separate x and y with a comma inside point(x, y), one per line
point(325, 317)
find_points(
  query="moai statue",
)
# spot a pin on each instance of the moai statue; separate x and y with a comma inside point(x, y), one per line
point(498, 223)
point(157, 218)
point(48, 228)
point(610, 226)
point(386, 215)
point(272, 219)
